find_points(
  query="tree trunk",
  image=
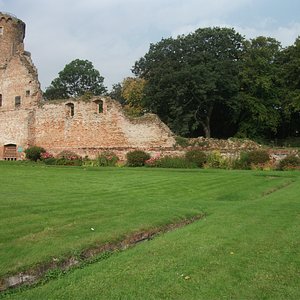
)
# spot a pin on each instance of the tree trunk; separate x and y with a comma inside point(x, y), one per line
point(206, 123)
point(206, 131)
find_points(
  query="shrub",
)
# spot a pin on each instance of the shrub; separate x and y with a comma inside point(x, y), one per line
point(290, 162)
point(181, 141)
point(175, 162)
point(50, 161)
point(34, 153)
point(197, 157)
point(216, 161)
point(241, 163)
point(68, 155)
point(256, 157)
point(137, 158)
point(152, 161)
point(68, 158)
point(107, 159)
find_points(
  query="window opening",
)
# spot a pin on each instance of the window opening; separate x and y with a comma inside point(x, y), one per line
point(27, 93)
point(70, 109)
point(0, 100)
point(17, 101)
point(99, 104)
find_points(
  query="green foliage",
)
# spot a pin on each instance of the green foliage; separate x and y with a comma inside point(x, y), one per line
point(290, 74)
point(216, 161)
point(34, 153)
point(107, 159)
point(241, 163)
point(289, 163)
point(76, 79)
point(50, 161)
point(197, 157)
point(137, 158)
point(68, 162)
point(172, 162)
point(189, 76)
point(259, 96)
point(182, 141)
point(116, 93)
point(133, 93)
point(258, 157)
point(68, 155)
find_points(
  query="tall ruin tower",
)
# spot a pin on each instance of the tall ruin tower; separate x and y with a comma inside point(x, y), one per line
point(19, 85)
point(12, 33)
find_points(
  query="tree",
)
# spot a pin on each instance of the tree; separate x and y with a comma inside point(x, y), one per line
point(77, 78)
point(133, 93)
point(289, 61)
point(116, 93)
point(190, 76)
point(260, 91)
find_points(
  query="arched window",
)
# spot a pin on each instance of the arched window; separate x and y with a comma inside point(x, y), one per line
point(0, 100)
point(99, 106)
point(70, 109)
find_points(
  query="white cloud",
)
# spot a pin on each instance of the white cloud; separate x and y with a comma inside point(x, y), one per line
point(285, 34)
point(113, 34)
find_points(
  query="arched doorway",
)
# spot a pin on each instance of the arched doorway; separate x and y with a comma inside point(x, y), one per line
point(10, 152)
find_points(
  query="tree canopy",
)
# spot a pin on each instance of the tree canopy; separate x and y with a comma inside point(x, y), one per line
point(189, 76)
point(77, 78)
point(214, 82)
point(259, 96)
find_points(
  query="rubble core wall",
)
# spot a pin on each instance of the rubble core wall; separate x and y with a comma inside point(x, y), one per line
point(88, 131)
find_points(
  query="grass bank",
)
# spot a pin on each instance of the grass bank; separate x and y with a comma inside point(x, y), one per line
point(246, 247)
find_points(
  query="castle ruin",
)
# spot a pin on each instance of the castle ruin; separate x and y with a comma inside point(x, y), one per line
point(84, 127)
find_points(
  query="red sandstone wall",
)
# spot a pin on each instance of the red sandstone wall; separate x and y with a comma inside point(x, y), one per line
point(15, 129)
point(16, 78)
point(88, 131)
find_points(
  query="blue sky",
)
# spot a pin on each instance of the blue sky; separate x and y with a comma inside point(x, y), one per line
point(113, 34)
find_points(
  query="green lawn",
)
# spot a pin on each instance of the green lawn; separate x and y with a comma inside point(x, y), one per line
point(247, 247)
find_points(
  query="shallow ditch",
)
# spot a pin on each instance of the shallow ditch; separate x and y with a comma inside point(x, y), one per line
point(46, 271)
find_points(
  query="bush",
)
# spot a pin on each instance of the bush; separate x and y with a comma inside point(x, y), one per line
point(137, 158)
point(34, 153)
point(172, 162)
point(241, 163)
point(69, 155)
point(256, 157)
point(181, 141)
point(107, 159)
point(289, 163)
point(50, 161)
point(197, 157)
point(216, 161)
point(68, 158)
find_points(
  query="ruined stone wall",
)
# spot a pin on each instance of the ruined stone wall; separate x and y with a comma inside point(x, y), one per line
point(19, 85)
point(89, 131)
point(12, 33)
point(15, 129)
point(19, 79)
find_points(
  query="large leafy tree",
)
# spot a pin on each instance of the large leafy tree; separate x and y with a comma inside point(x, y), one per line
point(192, 77)
point(116, 93)
point(77, 78)
point(289, 61)
point(133, 93)
point(260, 91)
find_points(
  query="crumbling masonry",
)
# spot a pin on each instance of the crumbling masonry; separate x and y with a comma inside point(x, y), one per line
point(84, 127)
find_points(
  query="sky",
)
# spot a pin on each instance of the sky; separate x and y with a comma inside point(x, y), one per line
point(113, 34)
